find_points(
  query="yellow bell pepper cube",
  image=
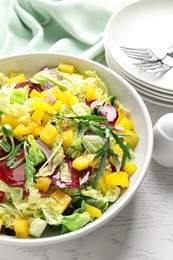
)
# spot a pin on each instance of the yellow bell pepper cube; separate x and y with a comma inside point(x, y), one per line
point(132, 139)
point(67, 68)
point(35, 94)
point(43, 105)
point(68, 138)
point(90, 93)
point(38, 115)
point(71, 99)
point(118, 179)
point(21, 228)
point(57, 93)
point(17, 79)
point(80, 163)
point(126, 123)
point(130, 168)
point(57, 105)
point(13, 74)
point(93, 211)
point(120, 115)
point(48, 133)
point(61, 199)
point(1, 223)
point(43, 184)
point(90, 157)
point(25, 129)
point(12, 120)
point(45, 119)
point(37, 131)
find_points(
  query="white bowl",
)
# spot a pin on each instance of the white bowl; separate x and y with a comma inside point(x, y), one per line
point(127, 95)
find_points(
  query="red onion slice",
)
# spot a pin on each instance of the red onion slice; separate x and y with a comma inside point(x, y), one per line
point(46, 151)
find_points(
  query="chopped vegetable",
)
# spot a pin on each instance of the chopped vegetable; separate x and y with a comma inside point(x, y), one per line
point(65, 150)
point(21, 228)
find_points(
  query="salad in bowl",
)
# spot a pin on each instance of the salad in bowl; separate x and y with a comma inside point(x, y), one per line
point(65, 150)
point(75, 144)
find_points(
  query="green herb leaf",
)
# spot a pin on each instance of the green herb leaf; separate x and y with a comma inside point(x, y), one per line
point(29, 168)
point(116, 160)
point(101, 169)
point(12, 157)
point(121, 143)
point(16, 164)
point(5, 146)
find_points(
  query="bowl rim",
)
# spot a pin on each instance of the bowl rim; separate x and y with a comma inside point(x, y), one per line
point(89, 228)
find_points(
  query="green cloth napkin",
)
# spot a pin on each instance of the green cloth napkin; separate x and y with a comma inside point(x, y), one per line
point(62, 26)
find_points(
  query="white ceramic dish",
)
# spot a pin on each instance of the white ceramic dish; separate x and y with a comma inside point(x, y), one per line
point(143, 23)
point(147, 95)
point(163, 141)
point(127, 95)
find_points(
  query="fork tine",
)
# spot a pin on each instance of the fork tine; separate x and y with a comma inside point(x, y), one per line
point(134, 49)
point(147, 64)
point(139, 57)
point(139, 53)
point(153, 67)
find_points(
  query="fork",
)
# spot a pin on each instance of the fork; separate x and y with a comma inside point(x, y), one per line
point(149, 61)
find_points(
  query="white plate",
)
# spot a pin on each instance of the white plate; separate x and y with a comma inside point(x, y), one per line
point(147, 91)
point(154, 99)
point(143, 23)
point(147, 86)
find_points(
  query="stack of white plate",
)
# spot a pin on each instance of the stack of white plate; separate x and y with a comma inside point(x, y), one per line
point(142, 24)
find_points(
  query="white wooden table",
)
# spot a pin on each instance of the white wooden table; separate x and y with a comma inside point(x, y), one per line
point(143, 230)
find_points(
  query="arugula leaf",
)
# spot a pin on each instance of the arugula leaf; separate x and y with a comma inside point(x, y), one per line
point(12, 157)
point(101, 169)
point(121, 143)
point(29, 168)
point(5, 146)
point(99, 125)
point(116, 160)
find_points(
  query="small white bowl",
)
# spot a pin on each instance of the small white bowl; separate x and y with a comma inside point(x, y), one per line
point(127, 95)
point(163, 141)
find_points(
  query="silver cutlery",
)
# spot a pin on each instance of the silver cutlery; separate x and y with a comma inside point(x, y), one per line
point(148, 60)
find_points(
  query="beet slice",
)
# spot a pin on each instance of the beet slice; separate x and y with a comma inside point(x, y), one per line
point(78, 178)
point(13, 177)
